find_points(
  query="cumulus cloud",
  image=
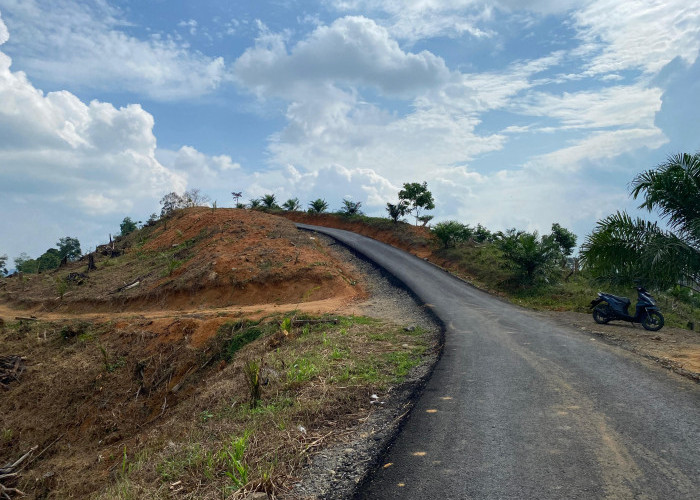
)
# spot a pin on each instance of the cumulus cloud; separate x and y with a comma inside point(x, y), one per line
point(68, 42)
point(65, 159)
point(352, 50)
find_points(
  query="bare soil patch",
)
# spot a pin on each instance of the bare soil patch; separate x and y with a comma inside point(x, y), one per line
point(675, 348)
point(197, 258)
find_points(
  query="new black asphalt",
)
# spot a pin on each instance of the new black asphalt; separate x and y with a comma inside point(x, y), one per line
point(521, 408)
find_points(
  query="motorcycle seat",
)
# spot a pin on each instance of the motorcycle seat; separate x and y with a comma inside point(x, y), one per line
point(624, 300)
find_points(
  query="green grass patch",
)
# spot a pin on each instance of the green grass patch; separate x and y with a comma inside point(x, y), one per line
point(237, 334)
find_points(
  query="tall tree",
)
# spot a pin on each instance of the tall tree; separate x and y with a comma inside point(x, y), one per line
point(564, 238)
point(69, 247)
point(171, 202)
point(628, 250)
point(127, 226)
point(236, 196)
point(25, 264)
point(195, 198)
point(417, 198)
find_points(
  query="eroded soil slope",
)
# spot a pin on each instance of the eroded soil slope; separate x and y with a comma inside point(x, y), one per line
point(197, 258)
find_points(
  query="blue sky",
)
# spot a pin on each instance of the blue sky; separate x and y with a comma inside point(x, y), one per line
point(516, 113)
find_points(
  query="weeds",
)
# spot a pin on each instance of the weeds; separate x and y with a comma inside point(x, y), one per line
point(111, 366)
point(231, 457)
point(237, 335)
point(252, 375)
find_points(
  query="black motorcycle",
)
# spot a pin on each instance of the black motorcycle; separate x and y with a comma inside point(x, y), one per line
point(608, 307)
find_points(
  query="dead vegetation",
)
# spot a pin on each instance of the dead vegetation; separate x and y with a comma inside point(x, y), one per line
point(135, 405)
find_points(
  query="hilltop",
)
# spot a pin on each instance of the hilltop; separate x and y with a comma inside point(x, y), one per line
point(197, 257)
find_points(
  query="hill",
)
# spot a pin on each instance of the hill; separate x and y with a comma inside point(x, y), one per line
point(196, 258)
point(200, 359)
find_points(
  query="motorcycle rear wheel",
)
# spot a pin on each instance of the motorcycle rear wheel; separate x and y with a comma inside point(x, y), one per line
point(653, 321)
point(602, 314)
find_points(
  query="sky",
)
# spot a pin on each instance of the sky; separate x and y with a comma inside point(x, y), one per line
point(517, 113)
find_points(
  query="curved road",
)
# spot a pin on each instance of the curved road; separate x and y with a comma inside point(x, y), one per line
point(519, 407)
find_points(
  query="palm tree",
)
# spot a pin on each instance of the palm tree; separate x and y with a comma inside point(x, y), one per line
point(269, 201)
point(292, 205)
point(318, 206)
point(625, 249)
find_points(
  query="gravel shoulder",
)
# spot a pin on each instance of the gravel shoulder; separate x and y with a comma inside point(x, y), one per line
point(338, 470)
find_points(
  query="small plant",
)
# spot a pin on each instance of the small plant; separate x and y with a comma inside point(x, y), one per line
point(351, 208)
point(292, 205)
point(206, 415)
point(237, 335)
point(61, 287)
point(6, 434)
point(111, 366)
point(252, 375)
point(125, 462)
point(233, 459)
point(318, 206)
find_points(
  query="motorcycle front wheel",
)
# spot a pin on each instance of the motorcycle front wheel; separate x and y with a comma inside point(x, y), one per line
point(602, 314)
point(653, 321)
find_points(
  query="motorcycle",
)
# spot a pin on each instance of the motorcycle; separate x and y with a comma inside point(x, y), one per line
point(608, 307)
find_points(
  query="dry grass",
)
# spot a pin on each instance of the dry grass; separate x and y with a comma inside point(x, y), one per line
point(136, 421)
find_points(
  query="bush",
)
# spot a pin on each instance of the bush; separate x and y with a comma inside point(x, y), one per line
point(450, 233)
point(533, 258)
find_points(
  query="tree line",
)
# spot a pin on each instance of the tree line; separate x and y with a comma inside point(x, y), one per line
point(621, 249)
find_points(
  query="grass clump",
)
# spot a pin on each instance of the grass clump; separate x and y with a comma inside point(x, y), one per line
point(237, 334)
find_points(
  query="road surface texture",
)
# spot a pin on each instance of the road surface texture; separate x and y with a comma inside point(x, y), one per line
point(518, 407)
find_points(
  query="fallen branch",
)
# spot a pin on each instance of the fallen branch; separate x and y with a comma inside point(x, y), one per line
point(11, 368)
point(9, 472)
point(42, 452)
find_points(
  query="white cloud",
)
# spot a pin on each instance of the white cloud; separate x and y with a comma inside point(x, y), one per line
point(351, 51)
point(621, 106)
point(413, 20)
point(75, 43)
point(70, 164)
point(4, 34)
point(600, 145)
point(638, 34)
point(199, 169)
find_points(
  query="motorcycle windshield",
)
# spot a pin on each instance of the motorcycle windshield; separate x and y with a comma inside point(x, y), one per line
point(647, 298)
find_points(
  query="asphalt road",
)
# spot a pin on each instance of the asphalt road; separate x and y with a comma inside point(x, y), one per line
point(519, 407)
